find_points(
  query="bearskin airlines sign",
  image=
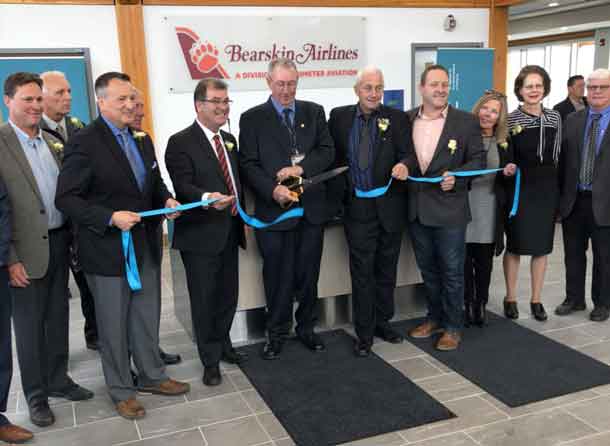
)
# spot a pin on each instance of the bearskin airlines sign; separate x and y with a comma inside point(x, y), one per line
point(328, 51)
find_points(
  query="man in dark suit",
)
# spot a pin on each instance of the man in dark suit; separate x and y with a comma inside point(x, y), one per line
point(281, 138)
point(584, 201)
point(576, 99)
point(9, 432)
point(109, 175)
point(56, 103)
point(371, 139)
point(202, 162)
point(38, 258)
point(446, 140)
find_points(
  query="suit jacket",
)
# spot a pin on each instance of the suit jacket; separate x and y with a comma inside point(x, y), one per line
point(570, 161)
point(30, 238)
point(566, 107)
point(390, 147)
point(5, 224)
point(194, 169)
point(265, 148)
point(427, 202)
point(96, 180)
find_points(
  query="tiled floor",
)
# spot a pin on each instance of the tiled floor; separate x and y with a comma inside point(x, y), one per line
point(233, 414)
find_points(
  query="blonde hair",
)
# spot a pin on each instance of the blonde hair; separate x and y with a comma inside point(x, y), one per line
point(501, 127)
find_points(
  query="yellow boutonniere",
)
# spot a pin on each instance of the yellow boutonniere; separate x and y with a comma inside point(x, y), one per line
point(504, 145)
point(76, 122)
point(229, 145)
point(383, 124)
point(139, 135)
point(516, 129)
point(57, 147)
point(452, 146)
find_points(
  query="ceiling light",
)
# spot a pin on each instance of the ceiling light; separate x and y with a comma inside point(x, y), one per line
point(553, 4)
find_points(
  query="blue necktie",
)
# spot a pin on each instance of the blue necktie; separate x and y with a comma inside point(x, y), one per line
point(134, 158)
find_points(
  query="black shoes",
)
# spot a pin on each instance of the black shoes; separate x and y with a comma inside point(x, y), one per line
point(362, 348)
point(211, 376)
point(568, 307)
point(233, 356)
point(41, 414)
point(169, 358)
point(388, 334)
point(73, 393)
point(538, 311)
point(272, 349)
point(479, 315)
point(92, 344)
point(599, 314)
point(468, 316)
point(312, 341)
point(510, 309)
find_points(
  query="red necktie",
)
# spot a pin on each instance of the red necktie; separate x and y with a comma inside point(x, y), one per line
point(224, 166)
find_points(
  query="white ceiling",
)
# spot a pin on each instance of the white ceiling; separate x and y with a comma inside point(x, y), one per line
point(541, 7)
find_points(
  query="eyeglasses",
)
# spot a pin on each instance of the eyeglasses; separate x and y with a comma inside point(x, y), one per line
point(600, 88)
point(218, 102)
point(495, 93)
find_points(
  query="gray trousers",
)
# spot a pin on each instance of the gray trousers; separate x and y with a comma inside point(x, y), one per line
point(129, 322)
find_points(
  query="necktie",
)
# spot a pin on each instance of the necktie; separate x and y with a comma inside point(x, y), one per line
point(290, 127)
point(133, 156)
point(62, 133)
point(586, 170)
point(364, 144)
point(224, 166)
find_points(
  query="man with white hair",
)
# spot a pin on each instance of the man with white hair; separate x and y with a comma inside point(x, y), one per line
point(584, 200)
point(371, 139)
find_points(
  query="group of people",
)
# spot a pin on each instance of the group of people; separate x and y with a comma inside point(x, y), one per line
point(69, 192)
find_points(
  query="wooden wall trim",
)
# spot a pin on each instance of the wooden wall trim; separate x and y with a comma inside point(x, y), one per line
point(58, 2)
point(328, 3)
point(498, 39)
point(134, 61)
point(553, 38)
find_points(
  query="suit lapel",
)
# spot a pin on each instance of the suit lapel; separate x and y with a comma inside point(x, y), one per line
point(203, 144)
point(382, 137)
point(580, 136)
point(279, 131)
point(232, 156)
point(55, 152)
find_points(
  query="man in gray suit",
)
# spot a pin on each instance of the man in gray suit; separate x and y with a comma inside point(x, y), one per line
point(38, 253)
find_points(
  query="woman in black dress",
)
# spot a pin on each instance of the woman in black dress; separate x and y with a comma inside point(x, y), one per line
point(536, 137)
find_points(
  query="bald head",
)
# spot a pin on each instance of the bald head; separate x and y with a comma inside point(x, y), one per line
point(56, 95)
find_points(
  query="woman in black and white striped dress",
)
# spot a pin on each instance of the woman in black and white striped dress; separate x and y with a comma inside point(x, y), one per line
point(536, 137)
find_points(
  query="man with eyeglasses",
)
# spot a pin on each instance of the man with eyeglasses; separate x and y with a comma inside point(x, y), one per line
point(584, 201)
point(279, 139)
point(202, 163)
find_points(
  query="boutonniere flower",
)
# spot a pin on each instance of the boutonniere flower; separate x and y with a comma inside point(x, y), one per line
point(57, 147)
point(452, 146)
point(139, 135)
point(383, 124)
point(76, 122)
point(229, 145)
point(504, 145)
point(516, 129)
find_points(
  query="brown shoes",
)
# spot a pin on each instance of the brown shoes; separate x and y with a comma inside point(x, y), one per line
point(450, 340)
point(11, 433)
point(168, 388)
point(425, 330)
point(130, 409)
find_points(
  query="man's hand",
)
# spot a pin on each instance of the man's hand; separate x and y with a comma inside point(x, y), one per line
point(125, 220)
point(18, 277)
point(448, 183)
point(223, 200)
point(509, 170)
point(283, 195)
point(287, 172)
point(171, 203)
point(400, 171)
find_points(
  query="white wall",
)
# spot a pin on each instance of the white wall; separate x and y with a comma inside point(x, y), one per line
point(64, 26)
point(390, 33)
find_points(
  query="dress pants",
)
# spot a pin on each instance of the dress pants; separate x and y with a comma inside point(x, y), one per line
point(291, 268)
point(213, 284)
point(6, 356)
point(86, 298)
point(477, 272)
point(440, 252)
point(128, 321)
point(41, 318)
point(578, 228)
point(373, 259)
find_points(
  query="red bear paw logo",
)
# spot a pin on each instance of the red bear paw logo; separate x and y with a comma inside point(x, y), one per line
point(204, 56)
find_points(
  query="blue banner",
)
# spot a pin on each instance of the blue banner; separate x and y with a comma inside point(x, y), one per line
point(394, 99)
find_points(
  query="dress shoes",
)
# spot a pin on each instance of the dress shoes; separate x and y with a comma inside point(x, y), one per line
point(168, 387)
point(450, 340)
point(568, 307)
point(130, 409)
point(211, 376)
point(468, 316)
point(362, 349)
point(73, 393)
point(388, 334)
point(41, 414)
point(169, 358)
point(479, 315)
point(92, 344)
point(538, 311)
point(232, 356)
point(600, 313)
point(425, 330)
point(11, 433)
point(511, 311)
point(312, 341)
point(272, 349)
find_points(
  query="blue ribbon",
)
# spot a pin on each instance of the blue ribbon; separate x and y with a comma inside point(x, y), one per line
point(379, 191)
